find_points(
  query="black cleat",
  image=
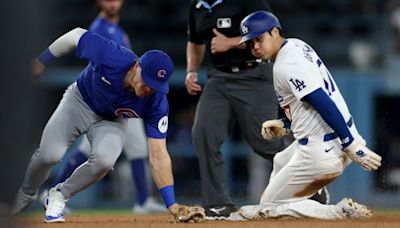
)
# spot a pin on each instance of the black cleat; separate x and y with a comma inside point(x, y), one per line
point(322, 196)
point(219, 212)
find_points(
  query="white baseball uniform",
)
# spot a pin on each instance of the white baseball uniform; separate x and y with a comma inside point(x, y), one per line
point(315, 158)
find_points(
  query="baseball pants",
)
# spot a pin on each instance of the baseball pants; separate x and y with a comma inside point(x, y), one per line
point(72, 118)
point(135, 144)
point(246, 97)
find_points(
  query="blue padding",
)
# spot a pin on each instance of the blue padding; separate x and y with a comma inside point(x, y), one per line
point(46, 56)
point(331, 114)
point(168, 195)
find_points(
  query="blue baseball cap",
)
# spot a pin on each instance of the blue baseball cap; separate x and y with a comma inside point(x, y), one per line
point(157, 68)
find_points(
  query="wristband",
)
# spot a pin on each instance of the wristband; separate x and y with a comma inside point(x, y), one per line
point(46, 56)
point(168, 195)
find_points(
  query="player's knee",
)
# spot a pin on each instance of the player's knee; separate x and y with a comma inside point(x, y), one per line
point(198, 131)
point(50, 157)
point(103, 164)
point(279, 161)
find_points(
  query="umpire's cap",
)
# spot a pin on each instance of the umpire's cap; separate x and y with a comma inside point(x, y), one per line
point(256, 24)
point(157, 68)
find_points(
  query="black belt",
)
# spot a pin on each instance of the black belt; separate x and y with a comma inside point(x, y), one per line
point(329, 136)
point(239, 67)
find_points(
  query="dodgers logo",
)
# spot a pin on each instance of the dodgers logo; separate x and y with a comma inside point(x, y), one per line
point(126, 113)
point(161, 73)
point(245, 30)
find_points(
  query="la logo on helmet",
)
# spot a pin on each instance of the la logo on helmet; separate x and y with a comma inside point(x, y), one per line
point(245, 30)
point(161, 73)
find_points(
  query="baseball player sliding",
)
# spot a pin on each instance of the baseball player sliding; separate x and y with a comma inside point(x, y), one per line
point(115, 85)
point(327, 139)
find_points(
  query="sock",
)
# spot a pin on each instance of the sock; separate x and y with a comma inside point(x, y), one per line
point(76, 160)
point(139, 177)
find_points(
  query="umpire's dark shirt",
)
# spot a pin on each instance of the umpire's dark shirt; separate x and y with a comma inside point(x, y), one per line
point(226, 18)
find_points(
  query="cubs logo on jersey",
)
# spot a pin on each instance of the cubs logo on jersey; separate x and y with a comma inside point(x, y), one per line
point(126, 113)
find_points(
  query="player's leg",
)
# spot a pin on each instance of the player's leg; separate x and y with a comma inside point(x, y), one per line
point(79, 156)
point(254, 101)
point(212, 120)
point(135, 148)
point(72, 116)
point(106, 139)
point(309, 169)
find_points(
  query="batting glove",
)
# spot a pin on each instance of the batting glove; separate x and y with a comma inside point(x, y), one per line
point(363, 156)
point(273, 128)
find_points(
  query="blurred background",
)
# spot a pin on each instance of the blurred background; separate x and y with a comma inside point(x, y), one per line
point(359, 41)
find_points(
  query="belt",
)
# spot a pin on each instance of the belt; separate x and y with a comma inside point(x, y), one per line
point(329, 136)
point(240, 66)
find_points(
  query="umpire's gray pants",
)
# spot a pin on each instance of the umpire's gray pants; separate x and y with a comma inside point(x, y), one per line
point(72, 118)
point(246, 97)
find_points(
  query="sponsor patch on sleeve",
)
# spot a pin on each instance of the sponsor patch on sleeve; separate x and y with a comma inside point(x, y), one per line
point(163, 124)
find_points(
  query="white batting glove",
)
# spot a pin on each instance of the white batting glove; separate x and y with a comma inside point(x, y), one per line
point(273, 128)
point(363, 156)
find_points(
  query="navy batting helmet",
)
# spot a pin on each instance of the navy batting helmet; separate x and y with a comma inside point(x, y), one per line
point(256, 24)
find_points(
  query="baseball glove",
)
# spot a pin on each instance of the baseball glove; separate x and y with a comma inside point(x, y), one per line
point(189, 214)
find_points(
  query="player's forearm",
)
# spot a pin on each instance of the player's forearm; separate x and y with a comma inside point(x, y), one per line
point(331, 114)
point(161, 167)
point(63, 45)
point(234, 42)
point(194, 56)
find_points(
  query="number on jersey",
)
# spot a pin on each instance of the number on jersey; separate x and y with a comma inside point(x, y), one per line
point(328, 82)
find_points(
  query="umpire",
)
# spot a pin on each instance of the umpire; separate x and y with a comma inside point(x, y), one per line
point(239, 89)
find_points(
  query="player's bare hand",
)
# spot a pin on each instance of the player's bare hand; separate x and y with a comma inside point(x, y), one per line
point(191, 83)
point(220, 43)
point(37, 68)
point(363, 156)
point(187, 214)
point(273, 128)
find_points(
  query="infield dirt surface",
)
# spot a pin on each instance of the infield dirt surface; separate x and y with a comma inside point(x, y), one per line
point(121, 221)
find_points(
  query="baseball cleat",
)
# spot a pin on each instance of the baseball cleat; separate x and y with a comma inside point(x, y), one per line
point(44, 198)
point(352, 209)
point(55, 207)
point(221, 212)
point(150, 206)
point(322, 196)
point(250, 212)
point(22, 201)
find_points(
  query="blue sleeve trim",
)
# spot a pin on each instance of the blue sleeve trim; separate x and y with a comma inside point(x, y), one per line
point(46, 56)
point(168, 195)
point(330, 113)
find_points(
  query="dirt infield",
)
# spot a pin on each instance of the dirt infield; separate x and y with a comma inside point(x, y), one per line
point(121, 221)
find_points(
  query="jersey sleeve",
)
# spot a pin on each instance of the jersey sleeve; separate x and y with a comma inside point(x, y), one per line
point(192, 34)
point(156, 117)
point(114, 58)
point(299, 78)
point(94, 47)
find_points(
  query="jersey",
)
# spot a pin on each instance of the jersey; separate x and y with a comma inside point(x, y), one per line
point(298, 71)
point(101, 84)
point(111, 31)
point(225, 16)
